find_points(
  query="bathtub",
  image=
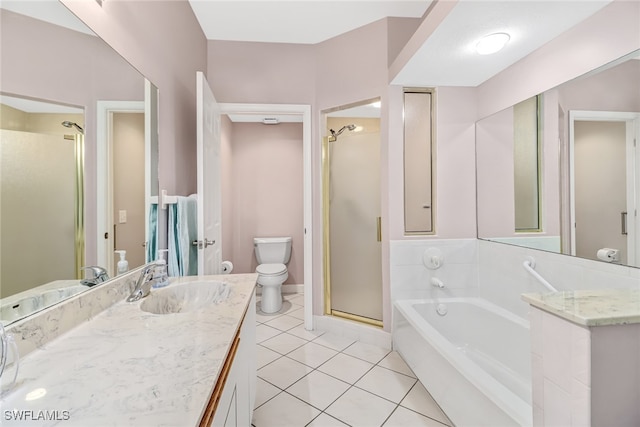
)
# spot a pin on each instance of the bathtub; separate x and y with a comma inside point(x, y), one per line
point(473, 356)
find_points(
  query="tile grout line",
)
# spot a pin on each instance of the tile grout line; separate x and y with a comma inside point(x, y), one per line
point(351, 384)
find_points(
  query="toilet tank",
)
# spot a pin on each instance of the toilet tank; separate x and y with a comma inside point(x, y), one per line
point(272, 250)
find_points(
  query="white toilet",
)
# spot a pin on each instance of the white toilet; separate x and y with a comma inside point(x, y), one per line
point(272, 254)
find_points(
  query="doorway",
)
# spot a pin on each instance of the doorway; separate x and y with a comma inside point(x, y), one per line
point(299, 113)
point(604, 181)
point(351, 205)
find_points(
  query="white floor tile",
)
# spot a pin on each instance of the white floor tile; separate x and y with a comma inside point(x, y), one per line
point(264, 356)
point(264, 332)
point(334, 341)
point(403, 417)
point(284, 410)
point(346, 368)
point(298, 314)
point(283, 372)
point(283, 343)
point(263, 317)
point(370, 353)
point(295, 299)
point(312, 354)
point(360, 408)
point(265, 391)
point(301, 332)
point(284, 322)
point(395, 362)
point(421, 401)
point(386, 383)
point(318, 389)
point(324, 420)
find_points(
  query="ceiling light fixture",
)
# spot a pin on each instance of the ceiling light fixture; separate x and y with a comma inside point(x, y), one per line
point(492, 43)
point(270, 121)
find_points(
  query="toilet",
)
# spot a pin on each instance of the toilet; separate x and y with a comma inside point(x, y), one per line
point(272, 254)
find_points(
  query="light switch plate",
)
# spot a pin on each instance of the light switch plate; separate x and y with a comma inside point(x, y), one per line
point(122, 216)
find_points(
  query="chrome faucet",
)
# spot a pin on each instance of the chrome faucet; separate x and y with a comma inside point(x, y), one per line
point(99, 275)
point(143, 285)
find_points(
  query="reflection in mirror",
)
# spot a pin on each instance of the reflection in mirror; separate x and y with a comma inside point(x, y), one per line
point(578, 158)
point(526, 165)
point(36, 67)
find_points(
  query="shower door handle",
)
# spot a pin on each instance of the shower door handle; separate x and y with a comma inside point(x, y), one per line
point(623, 223)
point(379, 229)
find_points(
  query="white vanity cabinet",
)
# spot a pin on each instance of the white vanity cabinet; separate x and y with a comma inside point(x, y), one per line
point(233, 397)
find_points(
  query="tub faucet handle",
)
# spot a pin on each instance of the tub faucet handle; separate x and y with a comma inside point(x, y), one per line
point(437, 282)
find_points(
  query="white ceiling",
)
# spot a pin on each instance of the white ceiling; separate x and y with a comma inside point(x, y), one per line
point(447, 58)
point(295, 21)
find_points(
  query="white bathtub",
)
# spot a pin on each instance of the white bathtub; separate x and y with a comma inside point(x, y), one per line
point(475, 360)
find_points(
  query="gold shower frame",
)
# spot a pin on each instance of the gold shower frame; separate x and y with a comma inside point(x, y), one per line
point(326, 240)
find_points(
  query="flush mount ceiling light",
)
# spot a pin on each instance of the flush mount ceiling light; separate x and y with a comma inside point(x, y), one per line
point(492, 43)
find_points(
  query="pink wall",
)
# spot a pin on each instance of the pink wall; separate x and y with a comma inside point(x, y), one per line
point(615, 89)
point(227, 182)
point(141, 32)
point(265, 198)
point(349, 68)
point(45, 61)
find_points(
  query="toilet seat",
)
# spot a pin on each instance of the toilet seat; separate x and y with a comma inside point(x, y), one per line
point(271, 269)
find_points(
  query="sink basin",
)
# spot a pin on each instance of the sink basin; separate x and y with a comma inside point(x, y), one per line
point(182, 298)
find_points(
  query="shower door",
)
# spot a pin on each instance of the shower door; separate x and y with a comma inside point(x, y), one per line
point(352, 221)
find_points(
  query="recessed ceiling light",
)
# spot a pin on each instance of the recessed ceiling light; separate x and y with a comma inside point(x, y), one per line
point(492, 43)
point(270, 121)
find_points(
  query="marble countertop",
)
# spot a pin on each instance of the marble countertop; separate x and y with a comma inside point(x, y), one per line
point(599, 307)
point(127, 367)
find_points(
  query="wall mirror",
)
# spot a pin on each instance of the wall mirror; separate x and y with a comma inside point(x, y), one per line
point(588, 169)
point(71, 106)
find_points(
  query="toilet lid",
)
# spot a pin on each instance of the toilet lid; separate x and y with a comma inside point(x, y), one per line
point(269, 269)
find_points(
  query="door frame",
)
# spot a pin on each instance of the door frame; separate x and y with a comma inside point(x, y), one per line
point(303, 110)
point(632, 121)
point(104, 175)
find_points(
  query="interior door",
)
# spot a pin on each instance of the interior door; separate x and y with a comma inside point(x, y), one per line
point(208, 177)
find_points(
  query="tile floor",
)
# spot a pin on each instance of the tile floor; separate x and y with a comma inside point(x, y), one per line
point(315, 379)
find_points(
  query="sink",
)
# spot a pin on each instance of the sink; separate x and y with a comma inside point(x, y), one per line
point(16, 310)
point(185, 297)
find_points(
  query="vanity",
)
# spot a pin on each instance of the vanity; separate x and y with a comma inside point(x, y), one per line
point(182, 356)
point(585, 353)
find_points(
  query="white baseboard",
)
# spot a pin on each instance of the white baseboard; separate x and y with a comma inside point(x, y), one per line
point(354, 330)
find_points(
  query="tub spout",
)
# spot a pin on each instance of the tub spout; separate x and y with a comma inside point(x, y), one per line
point(437, 282)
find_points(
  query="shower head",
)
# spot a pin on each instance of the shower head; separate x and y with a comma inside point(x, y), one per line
point(335, 134)
point(69, 124)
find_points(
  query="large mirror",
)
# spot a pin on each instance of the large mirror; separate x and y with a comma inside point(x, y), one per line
point(582, 170)
point(78, 156)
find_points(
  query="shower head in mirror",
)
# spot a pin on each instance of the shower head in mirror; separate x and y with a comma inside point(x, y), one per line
point(69, 124)
point(334, 134)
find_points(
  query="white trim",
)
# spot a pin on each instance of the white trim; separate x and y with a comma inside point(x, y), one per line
point(104, 172)
point(633, 179)
point(305, 111)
